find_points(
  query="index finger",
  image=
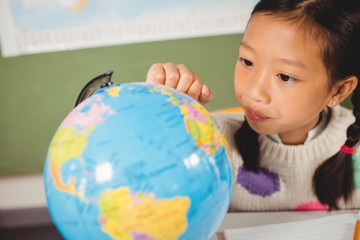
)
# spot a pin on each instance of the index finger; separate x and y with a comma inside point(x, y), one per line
point(156, 74)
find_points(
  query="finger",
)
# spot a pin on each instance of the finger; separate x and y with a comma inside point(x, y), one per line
point(172, 75)
point(195, 90)
point(205, 95)
point(187, 77)
point(156, 74)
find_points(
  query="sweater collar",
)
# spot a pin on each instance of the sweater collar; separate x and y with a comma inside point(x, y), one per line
point(324, 145)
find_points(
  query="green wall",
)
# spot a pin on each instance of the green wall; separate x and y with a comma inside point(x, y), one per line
point(38, 91)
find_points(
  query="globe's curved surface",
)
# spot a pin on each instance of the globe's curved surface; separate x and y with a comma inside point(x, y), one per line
point(138, 161)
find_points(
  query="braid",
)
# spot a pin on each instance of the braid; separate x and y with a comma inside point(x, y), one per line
point(334, 179)
point(353, 131)
point(247, 144)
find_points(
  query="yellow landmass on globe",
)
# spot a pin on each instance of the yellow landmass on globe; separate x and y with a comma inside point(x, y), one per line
point(168, 93)
point(61, 150)
point(202, 129)
point(199, 124)
point(114, 91)
point(126, 214)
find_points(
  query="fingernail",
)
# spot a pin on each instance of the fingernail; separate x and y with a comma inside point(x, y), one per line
point(205, 91)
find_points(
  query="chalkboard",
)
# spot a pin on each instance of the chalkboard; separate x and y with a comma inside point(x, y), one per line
point(38, 91)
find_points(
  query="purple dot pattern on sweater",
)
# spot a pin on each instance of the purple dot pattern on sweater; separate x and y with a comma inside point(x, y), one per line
point(263, 183)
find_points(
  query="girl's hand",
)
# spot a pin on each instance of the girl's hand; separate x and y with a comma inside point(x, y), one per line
point(179, 77)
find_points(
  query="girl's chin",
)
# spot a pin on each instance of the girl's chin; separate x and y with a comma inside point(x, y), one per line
point(264, 130)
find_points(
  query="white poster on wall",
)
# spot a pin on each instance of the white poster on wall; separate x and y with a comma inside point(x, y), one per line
point(36, 26)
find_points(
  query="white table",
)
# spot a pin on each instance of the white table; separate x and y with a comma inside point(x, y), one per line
point(249, 219)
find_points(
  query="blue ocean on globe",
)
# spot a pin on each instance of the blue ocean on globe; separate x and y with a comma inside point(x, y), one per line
point(138, 161)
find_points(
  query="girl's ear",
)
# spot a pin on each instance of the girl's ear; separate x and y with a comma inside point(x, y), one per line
point(342, 90)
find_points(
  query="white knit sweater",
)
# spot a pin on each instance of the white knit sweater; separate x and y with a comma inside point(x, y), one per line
point(284, 181)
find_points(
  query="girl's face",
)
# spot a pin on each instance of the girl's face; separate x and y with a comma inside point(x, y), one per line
point(280, 79)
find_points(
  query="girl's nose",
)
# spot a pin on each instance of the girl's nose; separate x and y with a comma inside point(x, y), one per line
point(258, 88)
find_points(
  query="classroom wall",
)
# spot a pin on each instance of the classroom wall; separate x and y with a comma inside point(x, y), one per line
point(38, 91)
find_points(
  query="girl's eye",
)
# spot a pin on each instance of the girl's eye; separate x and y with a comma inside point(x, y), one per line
point(245, 62)
point(286, 78)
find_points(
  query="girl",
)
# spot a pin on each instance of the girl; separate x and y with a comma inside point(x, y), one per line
point(294, 147)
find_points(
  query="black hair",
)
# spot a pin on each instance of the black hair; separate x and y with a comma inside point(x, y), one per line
point(336, 23)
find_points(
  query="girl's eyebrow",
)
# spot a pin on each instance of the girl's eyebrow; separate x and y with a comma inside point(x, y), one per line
point(245, 45)
point(292, 63)
point(287, 61)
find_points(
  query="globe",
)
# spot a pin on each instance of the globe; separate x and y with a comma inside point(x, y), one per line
point(138, 161)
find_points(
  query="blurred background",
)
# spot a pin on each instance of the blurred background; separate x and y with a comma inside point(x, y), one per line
point(51, 48)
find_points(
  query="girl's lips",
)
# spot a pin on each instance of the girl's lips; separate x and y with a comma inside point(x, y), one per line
point(255, 116)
